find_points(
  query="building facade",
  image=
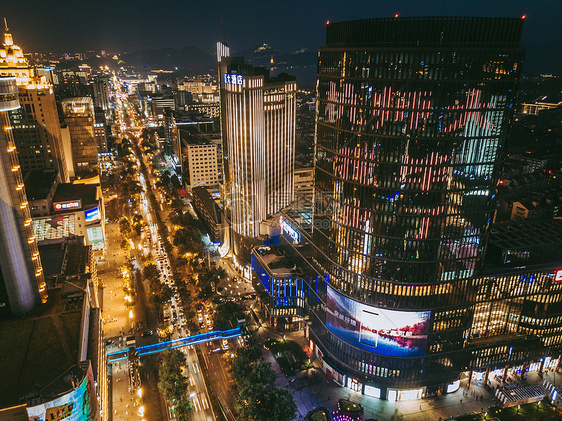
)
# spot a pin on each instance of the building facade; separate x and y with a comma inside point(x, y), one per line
point(412, 116)
point(79, 117)
point(304, 186)
point(209, 212)
point(202, 167)
point(22, 284)
point(35, 125)
point(258, 116)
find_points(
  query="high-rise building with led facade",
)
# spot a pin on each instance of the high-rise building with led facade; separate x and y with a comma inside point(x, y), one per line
point(412, 115)
point(35, 125)
point(79, 116)
point(22, 284)
point(258, 122)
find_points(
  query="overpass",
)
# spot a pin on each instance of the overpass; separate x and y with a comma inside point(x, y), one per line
point(175, 343)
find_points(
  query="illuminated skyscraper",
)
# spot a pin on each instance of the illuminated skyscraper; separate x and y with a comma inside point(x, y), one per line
point(79, 116)
point(35, 125)
point(258, 121)
point(22, 284)
point(412, 114)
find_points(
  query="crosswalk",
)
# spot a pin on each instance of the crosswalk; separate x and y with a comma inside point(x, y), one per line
point(200, 402)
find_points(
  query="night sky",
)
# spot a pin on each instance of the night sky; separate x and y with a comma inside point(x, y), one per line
point(68, 26)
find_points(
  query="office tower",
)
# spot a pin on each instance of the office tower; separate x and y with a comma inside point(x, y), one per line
point(258, 115)
point(100, 129)
point(22, 284)
point(202, 167)
point(79, 117)
point(412, 114)
point(100, 88)
point(35, 125)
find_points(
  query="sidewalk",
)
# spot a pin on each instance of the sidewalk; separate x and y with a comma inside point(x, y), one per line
point(326, 393)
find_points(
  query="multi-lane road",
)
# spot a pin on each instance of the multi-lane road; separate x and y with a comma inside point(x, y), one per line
point(220, 379)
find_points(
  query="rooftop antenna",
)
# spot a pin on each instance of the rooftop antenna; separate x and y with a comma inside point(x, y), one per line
point(222, 25)
point(6, 24)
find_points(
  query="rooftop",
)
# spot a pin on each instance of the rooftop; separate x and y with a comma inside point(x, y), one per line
point(439, 31)
point(39, 352)
point(38, 183)
point(68, 192)
point(52, 258)
point(276, 260)
point(190, 136)
point(67, 257)
point(526, 233)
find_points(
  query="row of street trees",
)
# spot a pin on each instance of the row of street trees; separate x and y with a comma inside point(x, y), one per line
point(173, 381)
point(258, 398)
point(160, 293)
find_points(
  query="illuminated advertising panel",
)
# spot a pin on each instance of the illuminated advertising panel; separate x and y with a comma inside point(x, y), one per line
point(80, 404)
point(53, 227)
point(95, 238)
point(66, 206)
point(233, 79)
point(92, 215)
point(374, 329)
point(558, 277)
point(288, 229)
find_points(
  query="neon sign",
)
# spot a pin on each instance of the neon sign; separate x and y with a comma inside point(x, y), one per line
point(558, 277)
point(67, 205)
point(293, 233)
point(233, 79)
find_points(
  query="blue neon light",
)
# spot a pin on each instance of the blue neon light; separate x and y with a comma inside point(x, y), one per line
point(178, 343)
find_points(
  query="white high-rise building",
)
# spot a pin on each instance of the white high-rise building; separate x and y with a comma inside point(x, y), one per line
point(258, 121)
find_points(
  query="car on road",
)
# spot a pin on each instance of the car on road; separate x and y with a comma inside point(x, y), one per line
point(225, 344)
point(147, 333)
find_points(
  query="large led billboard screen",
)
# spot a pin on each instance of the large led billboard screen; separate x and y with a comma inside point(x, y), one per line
point(378, 330)
point(81, 404)
point(53, 227)
point(95, 238)
point(92, 215)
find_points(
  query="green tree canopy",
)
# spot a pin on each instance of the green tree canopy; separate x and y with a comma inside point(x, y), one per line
point(227, 314)
point(258, 399)
point(151, 271)
point(124, 226)
point(173, 383)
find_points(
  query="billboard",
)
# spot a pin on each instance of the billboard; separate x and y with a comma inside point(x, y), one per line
point(95, 238)
point(288, 229)
point(80, 404)
point(92, 215)
point(66, 206)
point(378, 330)
point(54, 227)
